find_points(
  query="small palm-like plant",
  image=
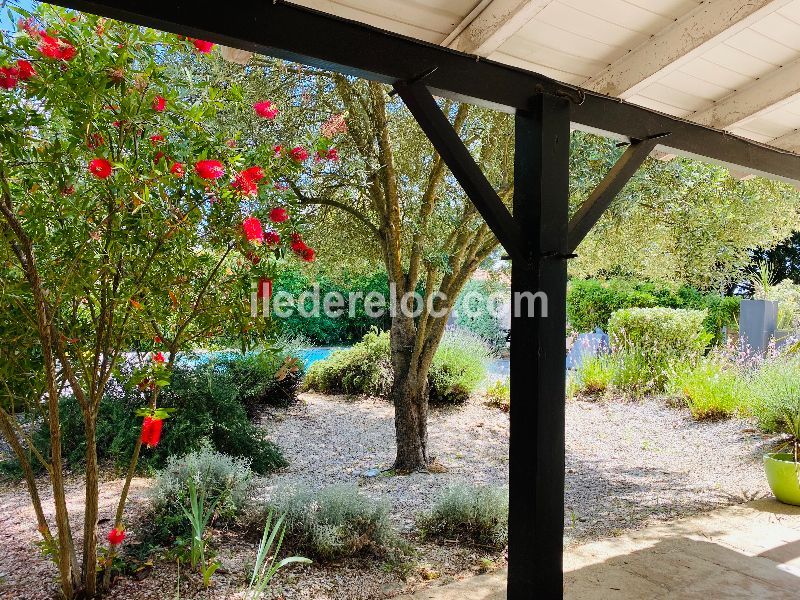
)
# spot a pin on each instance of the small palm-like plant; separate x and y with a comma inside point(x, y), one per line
point(267, 563)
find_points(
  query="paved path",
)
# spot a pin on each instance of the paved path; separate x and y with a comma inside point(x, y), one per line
point(747, 551)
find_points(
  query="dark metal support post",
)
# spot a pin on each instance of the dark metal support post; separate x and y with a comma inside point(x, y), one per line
point(536, 455)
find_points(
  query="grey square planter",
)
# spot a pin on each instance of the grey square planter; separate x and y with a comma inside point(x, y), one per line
point(758, 321)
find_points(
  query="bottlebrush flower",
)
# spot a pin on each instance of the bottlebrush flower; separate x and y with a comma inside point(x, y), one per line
point(331, 154)
point(308, 254)
point(202, 46)
point(100, 168)
point(9, 77)
point(158, 358)
point(298, 154)
point(26, 70)
point(253, 230)
point(271, 238)
point(246, 186)
point(95, 140)
point(56, 48)
point(159, 103)
point(209, 169)
point(266, 109)
point(278, 150)
point(278, 215)
point(151, 431)
point(177, 169)
point(157, 139)
point(254, 173)
point(264, 288)
point(116, 536)
point(159, 155)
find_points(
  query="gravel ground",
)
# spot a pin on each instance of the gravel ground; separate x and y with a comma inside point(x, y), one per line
point(628, 464)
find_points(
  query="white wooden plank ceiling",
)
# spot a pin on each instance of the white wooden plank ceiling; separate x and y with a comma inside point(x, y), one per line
point(728, 64)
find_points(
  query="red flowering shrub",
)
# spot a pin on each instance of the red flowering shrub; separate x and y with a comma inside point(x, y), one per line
point(151, 259)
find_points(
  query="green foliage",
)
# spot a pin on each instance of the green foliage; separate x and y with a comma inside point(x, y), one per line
point(199, 515)
point(679, 221)
point(365, 368)
point(649, 342)
point(459, 365)
point(474, 313)
point(222, 481)
point(499, 394)
point(333, 523)
point(774, 395)
point(267, 563)
point(591, 302)
point(595, 374)
point(476, 513)
point(787, 294)
point(210, 398)
point(712, 389)
point(322, 329)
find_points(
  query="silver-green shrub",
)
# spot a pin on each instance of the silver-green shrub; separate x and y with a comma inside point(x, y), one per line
point(334, 522)
point(478, 513)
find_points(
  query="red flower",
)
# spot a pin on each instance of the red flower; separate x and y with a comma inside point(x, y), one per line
point(151, 431)
point(159, 103)
point(209, 169)
point(254, 174)
point(266, 109)
point(308, 254)
point(177, 169)
point(116, 536)
point(157, 339)
point(253, 257)
point(331, 154)
point(100, 168)
point(264, 288)
point(56, 48)
point(26, 70)
point(246, 186)
point(278, 149)
point(278, 215)
point(296, 238)
point(202, 46)
point(271, 238)
point(253, 230)
point(159, 155)
point(156, 139)
point(298, 154)
point(158, 358)
point(95, 140)
point(9, 77)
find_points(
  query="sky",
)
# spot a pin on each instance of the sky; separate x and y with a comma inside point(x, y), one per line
point(6, 23)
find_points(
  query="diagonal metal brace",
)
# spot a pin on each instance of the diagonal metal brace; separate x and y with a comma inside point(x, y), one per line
point(600, 199)
point(454, 153)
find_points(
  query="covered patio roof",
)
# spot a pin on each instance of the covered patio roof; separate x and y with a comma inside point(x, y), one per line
point(727, 64)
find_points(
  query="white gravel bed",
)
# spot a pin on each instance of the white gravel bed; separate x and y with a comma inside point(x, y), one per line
point(628, 463)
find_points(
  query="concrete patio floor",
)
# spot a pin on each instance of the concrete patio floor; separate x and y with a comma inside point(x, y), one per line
point(746, 551)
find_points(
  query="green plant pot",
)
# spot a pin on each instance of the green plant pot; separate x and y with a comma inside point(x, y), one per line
point(783, 475)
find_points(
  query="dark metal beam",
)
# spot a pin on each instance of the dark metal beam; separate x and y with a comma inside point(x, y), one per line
point(538, 354)
point(599, 200)
point(314, 38)
point(456, 156)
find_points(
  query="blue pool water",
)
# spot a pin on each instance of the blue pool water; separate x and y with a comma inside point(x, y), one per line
point(311, 355)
